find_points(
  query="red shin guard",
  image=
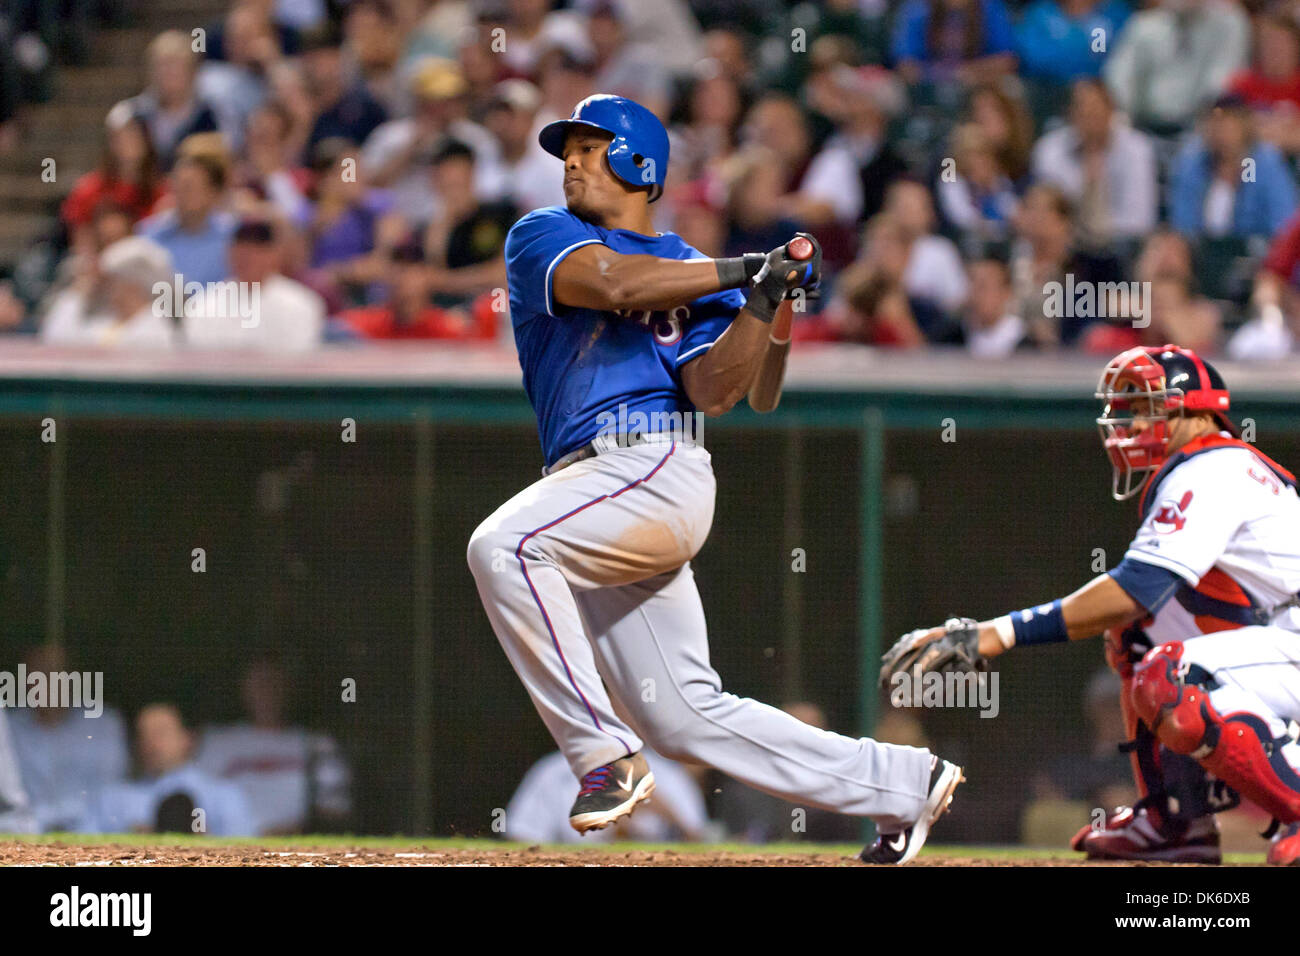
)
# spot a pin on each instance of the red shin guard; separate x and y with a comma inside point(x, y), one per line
point(1237, 748)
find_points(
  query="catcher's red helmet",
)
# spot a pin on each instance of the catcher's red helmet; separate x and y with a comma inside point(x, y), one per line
point(1162, 381)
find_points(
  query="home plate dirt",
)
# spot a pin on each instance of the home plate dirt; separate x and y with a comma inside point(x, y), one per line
point(109, 854)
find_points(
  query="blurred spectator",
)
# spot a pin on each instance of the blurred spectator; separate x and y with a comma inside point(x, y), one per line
point(1056, 40)
point(1173, 314)
point(127, 174)
point(1225, 182)
point(538, 812)
point(727, 46)
point(398, 155)
point(862, 26)
point(173, 795)
point(288, 82)
point(237, 85)
point(1275, 302)
point(532, 28)
point(976, 198)
point(1273, 78)
point(260, 309)
point(268, 169)
point(288, 19)
point(531, 176)
point(775, 187)
point(624, 66)
point(1005, 120)
point(665, 26)
point(408, 311)
point(870, 305)
point(351, 225)
point(293, 779)
point(861, 103)
point(376, 31)
point(1173, 59)
point(933, 275)
point(990, 326)
point(1043, 261)
point(171, 105)
point(344, 107)
point(1165, 254)
point(707, 133)
point(437, 33)
point(700, 223)
point(1106, 168)
point(16, 812)
point(132, 316)
point(479, 63)
point(298, 14)
point(1271, 86)
point(196, 230)
point(756, 817)
point(79, 285)
point(64, 754)
point(565, 80)
point(945, 41)
point(467, 238)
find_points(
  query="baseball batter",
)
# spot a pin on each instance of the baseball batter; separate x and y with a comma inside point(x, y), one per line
point(623, 334)
point(1202, 617)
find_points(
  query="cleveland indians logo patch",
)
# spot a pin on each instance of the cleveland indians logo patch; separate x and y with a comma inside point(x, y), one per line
point(1172, 515)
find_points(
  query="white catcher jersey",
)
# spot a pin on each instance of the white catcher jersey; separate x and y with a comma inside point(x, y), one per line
point(1226, 521)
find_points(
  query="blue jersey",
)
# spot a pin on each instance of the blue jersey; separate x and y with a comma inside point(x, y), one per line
point(581, 365)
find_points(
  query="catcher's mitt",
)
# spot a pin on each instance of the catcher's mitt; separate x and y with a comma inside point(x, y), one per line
point(956, 651)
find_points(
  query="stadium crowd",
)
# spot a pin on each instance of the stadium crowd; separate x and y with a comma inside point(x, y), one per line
point(259, 775)
point(983, 174)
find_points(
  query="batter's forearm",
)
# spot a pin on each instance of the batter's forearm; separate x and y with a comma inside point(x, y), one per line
point(721, 377)
point(765, 393)
point(596, 277)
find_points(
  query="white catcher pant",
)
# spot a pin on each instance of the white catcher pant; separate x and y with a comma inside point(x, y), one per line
point(1258, 671)
point(586, 579)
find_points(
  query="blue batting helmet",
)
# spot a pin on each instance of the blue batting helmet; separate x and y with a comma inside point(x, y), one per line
point(638, 154)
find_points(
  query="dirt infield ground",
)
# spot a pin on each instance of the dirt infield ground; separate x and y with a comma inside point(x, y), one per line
point(336, 851)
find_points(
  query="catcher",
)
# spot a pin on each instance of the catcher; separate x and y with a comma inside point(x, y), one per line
point(1201, 617)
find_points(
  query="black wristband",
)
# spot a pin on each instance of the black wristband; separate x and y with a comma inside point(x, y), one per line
point(735, 273)
point(760, 304)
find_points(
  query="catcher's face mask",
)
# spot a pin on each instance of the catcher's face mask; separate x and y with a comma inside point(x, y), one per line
point(1134, 422)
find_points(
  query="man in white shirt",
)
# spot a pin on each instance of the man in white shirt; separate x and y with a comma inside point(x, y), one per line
point(16, 814)
point(137, 316)
point(258, 308)
point(934, 271)
point(529, 173)
point(291, 777)
point(397, 154)
point(65, 754)
point(1105, 167)
point(174, 795)
point(1173, 59)
point(991, 326)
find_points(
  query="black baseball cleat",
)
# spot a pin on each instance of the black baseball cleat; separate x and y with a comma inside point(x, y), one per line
point(611, 792)
point(902, 847)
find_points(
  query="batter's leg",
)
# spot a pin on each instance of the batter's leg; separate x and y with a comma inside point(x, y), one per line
point(652, 648)
point(600, 522)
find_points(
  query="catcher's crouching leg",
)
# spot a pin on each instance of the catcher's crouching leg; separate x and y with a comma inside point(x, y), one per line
point(1173, 817)
point(1237, 748)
